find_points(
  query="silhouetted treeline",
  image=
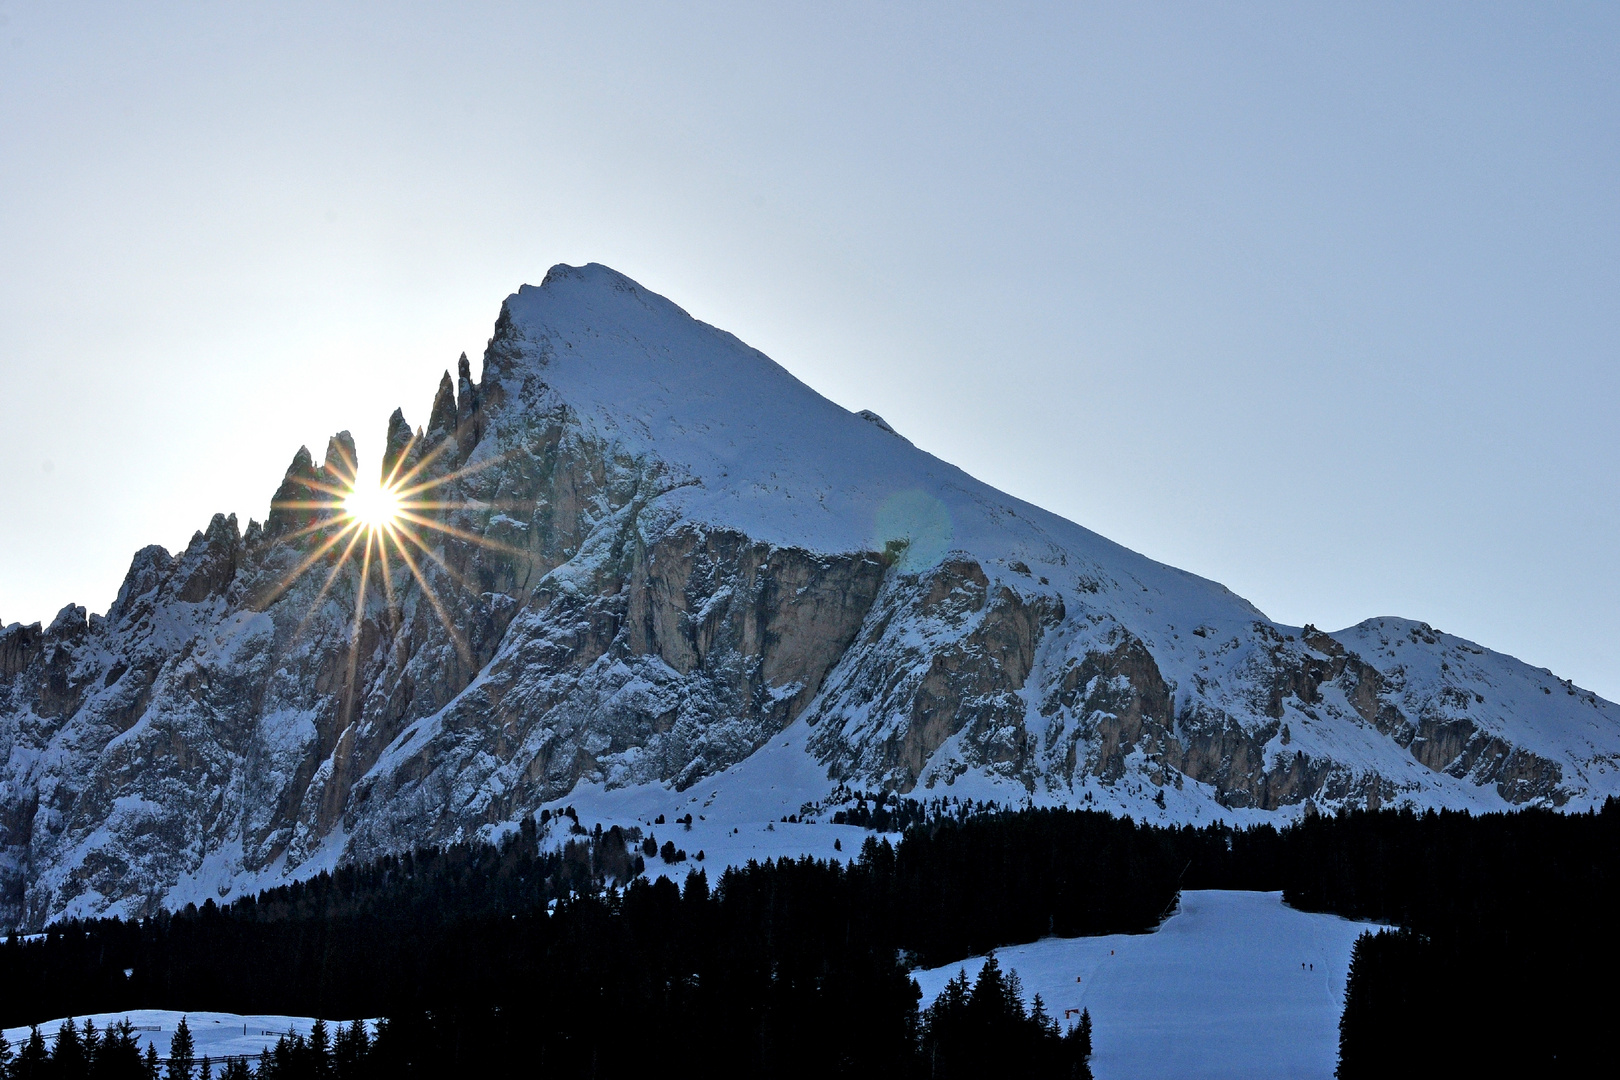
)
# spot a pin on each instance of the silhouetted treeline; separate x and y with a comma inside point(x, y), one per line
point(355, 942)
point(799, 967)
point(982, 1029)
point(79, 1054)
point(1504, 966)
point(961, 888)
point(491, 956)
point(971, 1031)
point(410, 931)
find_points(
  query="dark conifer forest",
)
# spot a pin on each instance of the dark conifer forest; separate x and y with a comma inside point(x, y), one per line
point(567, 963)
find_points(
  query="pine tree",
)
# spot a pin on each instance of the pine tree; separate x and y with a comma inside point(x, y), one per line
point(5, 1057)
point(1078, 1044)
point(942, 1025)
point(1082, 1053)
point(205, 1071)
point(67, 1057)
point(992, 996)
point(34, 1060)
point(119, 1057)
point(697, 886)
point(287, 1055)
point(320, 1050)
point(91, 1040)
point(150, 1062)
point(1039, 1017)
point(349, 1050)
point(1013, 1004)
point(180, 1052)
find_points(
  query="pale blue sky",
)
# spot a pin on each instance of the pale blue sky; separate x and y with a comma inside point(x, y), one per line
point(1316, 300)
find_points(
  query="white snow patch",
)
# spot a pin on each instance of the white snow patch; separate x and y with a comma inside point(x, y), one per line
point(1234, 984)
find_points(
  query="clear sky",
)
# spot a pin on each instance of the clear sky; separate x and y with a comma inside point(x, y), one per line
point(1319, 300)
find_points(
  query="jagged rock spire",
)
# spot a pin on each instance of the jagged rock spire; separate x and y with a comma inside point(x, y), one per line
point(400, 444)
point(469, 410)
point(442, 421)
point(71, 621)
point(210, 561)
point(284, 515)
point(341, 459)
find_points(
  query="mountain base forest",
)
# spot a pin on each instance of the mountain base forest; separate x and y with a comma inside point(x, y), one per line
point(568, 961)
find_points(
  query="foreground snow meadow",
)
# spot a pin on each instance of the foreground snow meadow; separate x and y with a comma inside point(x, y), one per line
point(215, 1035)
point(1234, 984)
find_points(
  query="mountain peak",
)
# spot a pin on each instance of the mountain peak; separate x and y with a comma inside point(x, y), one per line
point(655, 571)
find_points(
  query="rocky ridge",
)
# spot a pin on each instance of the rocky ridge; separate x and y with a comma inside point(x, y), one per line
point(654, 551)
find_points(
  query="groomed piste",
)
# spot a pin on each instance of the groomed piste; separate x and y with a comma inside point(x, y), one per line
point(1235, 985)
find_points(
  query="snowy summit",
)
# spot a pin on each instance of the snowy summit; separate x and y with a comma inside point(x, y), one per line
point(654, 571)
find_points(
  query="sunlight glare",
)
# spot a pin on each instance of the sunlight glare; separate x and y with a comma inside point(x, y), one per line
point(378, 529)
point(373, 505)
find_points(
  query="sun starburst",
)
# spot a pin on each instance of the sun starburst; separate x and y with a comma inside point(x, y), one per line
point(375, 506)
point(376, 530)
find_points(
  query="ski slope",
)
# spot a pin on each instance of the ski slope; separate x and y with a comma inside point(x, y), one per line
point(1233, 985)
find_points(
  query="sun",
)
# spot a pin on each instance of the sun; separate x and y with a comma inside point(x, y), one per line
point(381, 530)
point(374, 506)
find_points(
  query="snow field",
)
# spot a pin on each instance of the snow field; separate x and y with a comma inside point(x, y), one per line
point(1234, 984)
point(214, 1035)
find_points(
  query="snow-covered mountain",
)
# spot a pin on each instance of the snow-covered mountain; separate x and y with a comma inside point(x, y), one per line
point(659, 552)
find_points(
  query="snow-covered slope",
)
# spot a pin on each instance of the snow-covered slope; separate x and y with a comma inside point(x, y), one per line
point(674, 576)
point(1234, 984)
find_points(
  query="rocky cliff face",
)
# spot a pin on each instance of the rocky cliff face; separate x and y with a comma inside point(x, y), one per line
point(640, 551)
